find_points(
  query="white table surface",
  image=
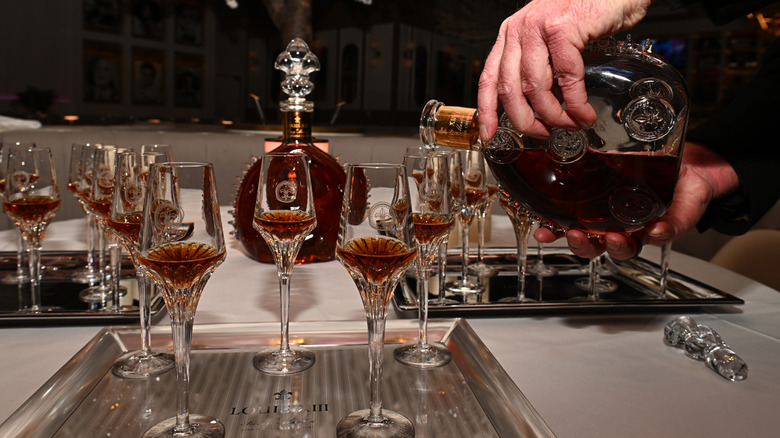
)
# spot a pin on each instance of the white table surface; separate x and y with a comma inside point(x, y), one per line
point(597, 375)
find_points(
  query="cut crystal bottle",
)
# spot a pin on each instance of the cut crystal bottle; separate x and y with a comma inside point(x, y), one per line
point(614, 176)
point(327, 176)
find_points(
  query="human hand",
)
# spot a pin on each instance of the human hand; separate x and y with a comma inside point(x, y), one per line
point(546, 38)
point(704, 176)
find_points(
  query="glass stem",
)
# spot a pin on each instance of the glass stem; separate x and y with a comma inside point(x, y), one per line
point(666, 251)
point(595, 277)
point(284, 300)
point(182, 336)
point(101, 253)
point(92, 249)
point(145, 287)
point(442, 270)
point(464, 237)
point(376, 343)
point(22, 258)
point(522, 235)
point(34, 246)
point(116, 267)
point(423, 276)
point(481, 214)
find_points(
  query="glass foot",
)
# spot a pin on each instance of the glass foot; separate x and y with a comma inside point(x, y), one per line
point(464, 288)
point(137, 365)
point(202, 426)
point(515, 300)
point(428, 357)
point(277, 362)
point(359, 425)
point(96, 294)
point(85, 276)
point(541, 269)
point(482, 270)
point(602, 286)
point(40, 309)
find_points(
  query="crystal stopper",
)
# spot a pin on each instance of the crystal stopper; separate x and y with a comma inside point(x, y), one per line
point(297, 62)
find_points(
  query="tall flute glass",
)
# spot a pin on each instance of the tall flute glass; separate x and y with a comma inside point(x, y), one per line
point(180, 245)
point(22, 274)
point(125, 220)
point(522, 223)
point(480, 268)
point(376, 245)
point(77, 186)
point(284, 216)
point(469, 190)
point(99, 162)
point(30, 199)
point(433, 219)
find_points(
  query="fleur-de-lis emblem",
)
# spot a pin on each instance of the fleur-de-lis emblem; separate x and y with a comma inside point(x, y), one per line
point(166, 216)
point(648, 118)
point(286, 191)
point(381, 216)
point(132, 192)
point(22, 180)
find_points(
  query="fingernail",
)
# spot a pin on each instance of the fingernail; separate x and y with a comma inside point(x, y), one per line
point(613, 246)
point(483, 133)
point(657, 233)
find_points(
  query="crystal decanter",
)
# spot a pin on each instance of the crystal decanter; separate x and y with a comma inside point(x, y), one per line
point(327, 176)
point(614, 176)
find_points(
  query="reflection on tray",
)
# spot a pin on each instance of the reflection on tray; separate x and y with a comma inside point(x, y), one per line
point(59, 290)
point(637, 282)
point(472, 396)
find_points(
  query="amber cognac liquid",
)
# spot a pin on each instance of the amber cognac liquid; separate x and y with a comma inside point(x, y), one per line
point(428, 226)
point(597, 192)
point(180, 265)
point(127, 227)
point(31, 209)
point(285, 225)
point(376, 259)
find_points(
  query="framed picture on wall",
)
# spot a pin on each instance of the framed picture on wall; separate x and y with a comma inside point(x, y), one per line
point(188, 22)
point(102, 15)
point(148, 18)
point(188, 76)
point(102, 72)
point(148, 76)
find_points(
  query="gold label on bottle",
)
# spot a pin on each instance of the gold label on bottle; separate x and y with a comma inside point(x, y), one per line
point(297, 125)
point(456, 127)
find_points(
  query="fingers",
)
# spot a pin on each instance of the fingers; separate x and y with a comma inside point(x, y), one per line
point(487, 97)
point(570, 73)
point(512, 87)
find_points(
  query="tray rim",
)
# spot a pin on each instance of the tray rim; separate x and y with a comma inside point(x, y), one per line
point(48, 409)
point(406, 308)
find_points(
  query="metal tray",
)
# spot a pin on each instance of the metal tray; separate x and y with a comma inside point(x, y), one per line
point(58, 289)
point(471, 396)
point(637, 288)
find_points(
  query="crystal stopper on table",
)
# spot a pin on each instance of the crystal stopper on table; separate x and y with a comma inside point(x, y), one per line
point(701, 342)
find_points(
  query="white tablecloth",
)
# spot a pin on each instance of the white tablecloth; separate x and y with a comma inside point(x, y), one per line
point(588, 375)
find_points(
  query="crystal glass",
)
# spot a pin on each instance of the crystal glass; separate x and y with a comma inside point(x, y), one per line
point(284, 216)
point(130, 176)
point(376, 245)
point(77, 186)
point(468, 189)
point(180, 245)
point(480, 268)
point(522, 223)
point(539, 267)
point(22, 274)
point(433, 218)
point(30, 199)
point(98, 162)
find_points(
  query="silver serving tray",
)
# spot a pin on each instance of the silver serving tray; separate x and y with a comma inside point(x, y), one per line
point(637, 282)
point(472, 396)
point(58, 289)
